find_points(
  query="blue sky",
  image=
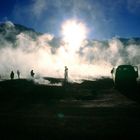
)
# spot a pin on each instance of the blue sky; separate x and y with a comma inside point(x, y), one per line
point(104, 18)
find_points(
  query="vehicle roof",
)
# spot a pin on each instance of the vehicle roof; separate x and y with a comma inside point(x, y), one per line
point(125, 66)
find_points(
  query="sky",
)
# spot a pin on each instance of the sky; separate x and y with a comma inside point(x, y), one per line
point(104, 18)
point(76, 23)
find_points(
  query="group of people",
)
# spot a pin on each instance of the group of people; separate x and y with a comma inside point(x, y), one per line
point(18, 74)
point(32, 74)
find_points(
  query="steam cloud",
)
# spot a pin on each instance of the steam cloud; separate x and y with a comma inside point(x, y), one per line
point(93, 59)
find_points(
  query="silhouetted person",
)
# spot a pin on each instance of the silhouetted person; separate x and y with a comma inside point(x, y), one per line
point(12, 75)
point(112, 70)
point(66, 74)
point(18, 74)
point(32, 73)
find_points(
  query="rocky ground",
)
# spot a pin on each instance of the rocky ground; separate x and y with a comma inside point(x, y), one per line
point(91, 109)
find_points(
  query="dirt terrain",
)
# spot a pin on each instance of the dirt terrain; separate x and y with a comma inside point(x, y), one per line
point(91, 109)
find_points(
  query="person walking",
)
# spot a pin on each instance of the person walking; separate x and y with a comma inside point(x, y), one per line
point(32, 73)
point(12, 75)
point(66, 74)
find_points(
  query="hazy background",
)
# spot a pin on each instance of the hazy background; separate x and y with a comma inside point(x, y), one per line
point(112, 38)
point(24, 49)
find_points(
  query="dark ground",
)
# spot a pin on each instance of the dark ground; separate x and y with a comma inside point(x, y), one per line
point(92, 109)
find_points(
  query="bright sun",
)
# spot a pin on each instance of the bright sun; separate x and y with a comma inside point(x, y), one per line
point(74, 32)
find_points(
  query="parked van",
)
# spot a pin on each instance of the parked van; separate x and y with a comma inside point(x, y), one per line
point(125, 75)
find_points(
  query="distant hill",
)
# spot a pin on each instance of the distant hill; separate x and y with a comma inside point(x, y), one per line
point(9, 32)
point(105, 43)
point(134, 40)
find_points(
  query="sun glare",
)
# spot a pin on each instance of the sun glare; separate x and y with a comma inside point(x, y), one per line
point(74, 32)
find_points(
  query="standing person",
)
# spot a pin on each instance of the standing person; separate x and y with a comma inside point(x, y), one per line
point(18, 74)
point(66, 74)
point(12, 75)
point(32, 73)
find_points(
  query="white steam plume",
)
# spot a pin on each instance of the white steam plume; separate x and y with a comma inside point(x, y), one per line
point(92, 60)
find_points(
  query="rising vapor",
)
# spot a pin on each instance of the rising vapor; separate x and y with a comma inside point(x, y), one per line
point(25, 50)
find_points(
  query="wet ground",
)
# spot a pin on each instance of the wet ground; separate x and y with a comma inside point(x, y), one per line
point(92, 109)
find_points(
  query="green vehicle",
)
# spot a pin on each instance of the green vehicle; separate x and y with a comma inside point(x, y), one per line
point(125, 76)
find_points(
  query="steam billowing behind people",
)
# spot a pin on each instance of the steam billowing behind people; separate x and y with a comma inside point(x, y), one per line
point(48, 55)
